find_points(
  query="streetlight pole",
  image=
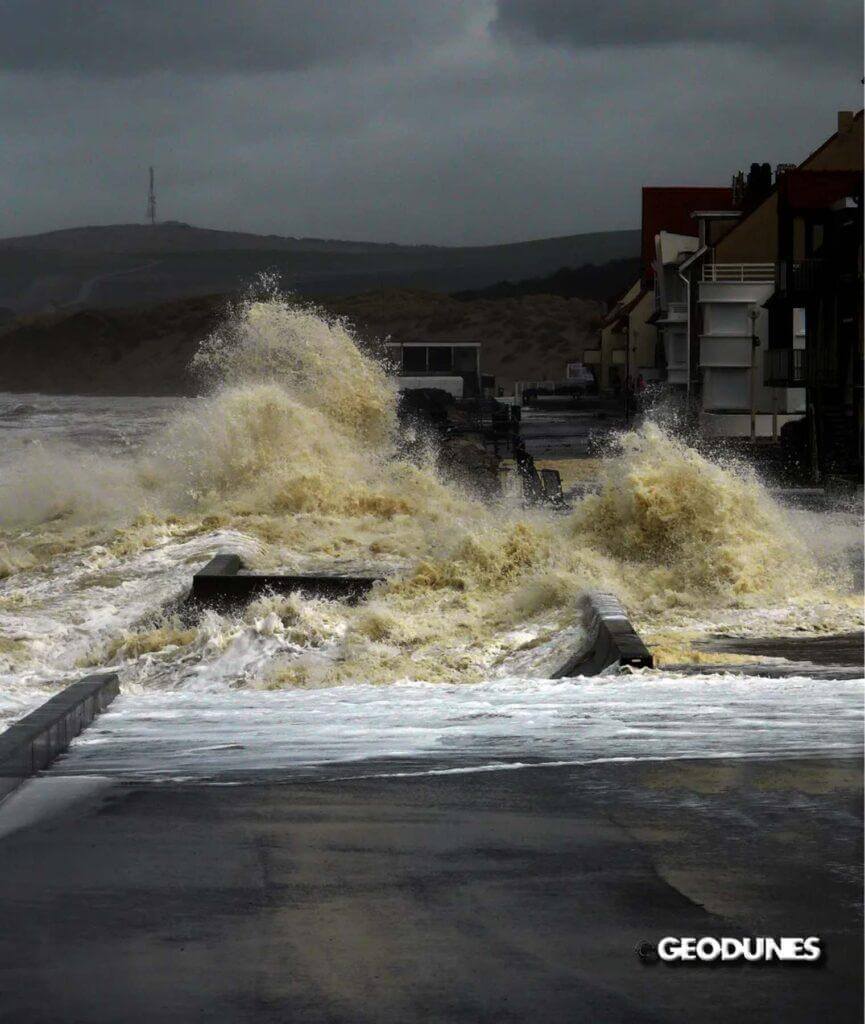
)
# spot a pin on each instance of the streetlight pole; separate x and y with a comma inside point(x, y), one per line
point(628, 371)
point(755, 344)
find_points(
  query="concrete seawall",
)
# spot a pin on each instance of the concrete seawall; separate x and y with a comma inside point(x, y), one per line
point(612, 640)
point(30, 745)
point(223, 582)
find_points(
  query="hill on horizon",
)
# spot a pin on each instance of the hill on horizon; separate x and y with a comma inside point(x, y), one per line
point(585, 282)
point(128, 264)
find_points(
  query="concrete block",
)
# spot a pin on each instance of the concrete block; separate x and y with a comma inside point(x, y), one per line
point(612, 640)
point(31, 744)
point(223, 583)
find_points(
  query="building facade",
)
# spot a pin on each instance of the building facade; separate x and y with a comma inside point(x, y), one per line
point(438, 364)
point(819, 292)
point(668, 240)
point(736, 311)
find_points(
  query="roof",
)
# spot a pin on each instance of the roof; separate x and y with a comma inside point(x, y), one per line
point(669, 208)
point(671, 246)
point(433, 343)
point(698, 255)
point(716, 214)
point(824, 145)
point(622, 296)
point(623, 308)
point(803, 166)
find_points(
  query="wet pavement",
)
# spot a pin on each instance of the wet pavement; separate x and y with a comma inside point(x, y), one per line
point(843, 650)
point(570, 430)
point(510, 896)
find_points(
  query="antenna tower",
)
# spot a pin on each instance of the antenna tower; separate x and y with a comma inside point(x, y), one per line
point(151, 200)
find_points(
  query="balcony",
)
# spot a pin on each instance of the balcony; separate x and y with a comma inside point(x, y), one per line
point(677, 311)
point(739, 273)
point(784, 367)
point(725, 351)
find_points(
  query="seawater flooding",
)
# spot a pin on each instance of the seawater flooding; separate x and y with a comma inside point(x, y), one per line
point(292, 458)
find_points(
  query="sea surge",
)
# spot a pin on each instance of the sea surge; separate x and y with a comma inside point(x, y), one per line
point(293, 456)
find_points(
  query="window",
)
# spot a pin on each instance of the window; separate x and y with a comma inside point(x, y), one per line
point(414, 359)
point(441, 358)
point(465, 359)
point(799, 331)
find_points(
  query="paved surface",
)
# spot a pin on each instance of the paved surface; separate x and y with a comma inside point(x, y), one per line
point(831, 657)
point(834, 656)
point(509, 896)
point(567, 431)
point(841, 649)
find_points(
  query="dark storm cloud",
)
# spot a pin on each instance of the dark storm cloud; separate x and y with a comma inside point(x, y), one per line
point(128, 37)
point(388, 120)
point(824, 30)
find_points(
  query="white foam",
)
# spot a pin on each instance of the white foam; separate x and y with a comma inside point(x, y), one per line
point(514, 720)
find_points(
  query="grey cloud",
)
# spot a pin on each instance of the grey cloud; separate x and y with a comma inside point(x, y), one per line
point(826, 31)
point(457, 136)
point(129, 37)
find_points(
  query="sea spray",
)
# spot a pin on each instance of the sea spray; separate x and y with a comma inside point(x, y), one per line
point(292, 457)
point(694, 527)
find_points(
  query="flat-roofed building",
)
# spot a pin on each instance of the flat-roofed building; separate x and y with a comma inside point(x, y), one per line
point(428, 361)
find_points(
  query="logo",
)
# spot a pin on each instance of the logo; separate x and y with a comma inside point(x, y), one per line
point(708, 949)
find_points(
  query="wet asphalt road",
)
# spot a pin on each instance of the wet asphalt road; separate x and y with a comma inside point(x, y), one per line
point(513, 896)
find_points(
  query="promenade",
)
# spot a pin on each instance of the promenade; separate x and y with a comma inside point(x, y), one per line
point(402, 896)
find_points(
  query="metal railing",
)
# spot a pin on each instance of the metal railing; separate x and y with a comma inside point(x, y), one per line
point(785, 367)
point(677, 310)
point(739, 273)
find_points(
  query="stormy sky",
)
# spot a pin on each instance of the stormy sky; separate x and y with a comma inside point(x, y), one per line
point(442, 121)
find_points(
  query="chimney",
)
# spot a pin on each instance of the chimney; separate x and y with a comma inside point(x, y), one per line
point(845, 121)
point(758, 185)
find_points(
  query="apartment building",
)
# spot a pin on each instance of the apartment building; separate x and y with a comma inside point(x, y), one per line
point(642, 335)
point(819, 300)
point(731, 282)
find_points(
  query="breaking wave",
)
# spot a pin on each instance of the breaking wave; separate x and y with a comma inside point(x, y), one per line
point(293, 457)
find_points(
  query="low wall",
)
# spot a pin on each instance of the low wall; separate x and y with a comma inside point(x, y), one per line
point(222, 582)
point(31, 744)
point(612, 640)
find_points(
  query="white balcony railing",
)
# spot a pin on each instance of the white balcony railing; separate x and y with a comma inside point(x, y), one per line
point(739, 273)
point(677, 310)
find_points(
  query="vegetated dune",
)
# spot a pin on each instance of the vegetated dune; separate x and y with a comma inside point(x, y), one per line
point(530, 337)
point(147, 350)
point(137, 351)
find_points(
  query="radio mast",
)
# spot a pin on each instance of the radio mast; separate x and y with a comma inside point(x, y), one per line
point(151, 200)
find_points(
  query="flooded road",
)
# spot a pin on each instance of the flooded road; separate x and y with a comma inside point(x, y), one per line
point(290, 459)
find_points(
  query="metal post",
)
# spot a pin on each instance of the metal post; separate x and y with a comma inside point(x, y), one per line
point(628, 370)
point(753, 314)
